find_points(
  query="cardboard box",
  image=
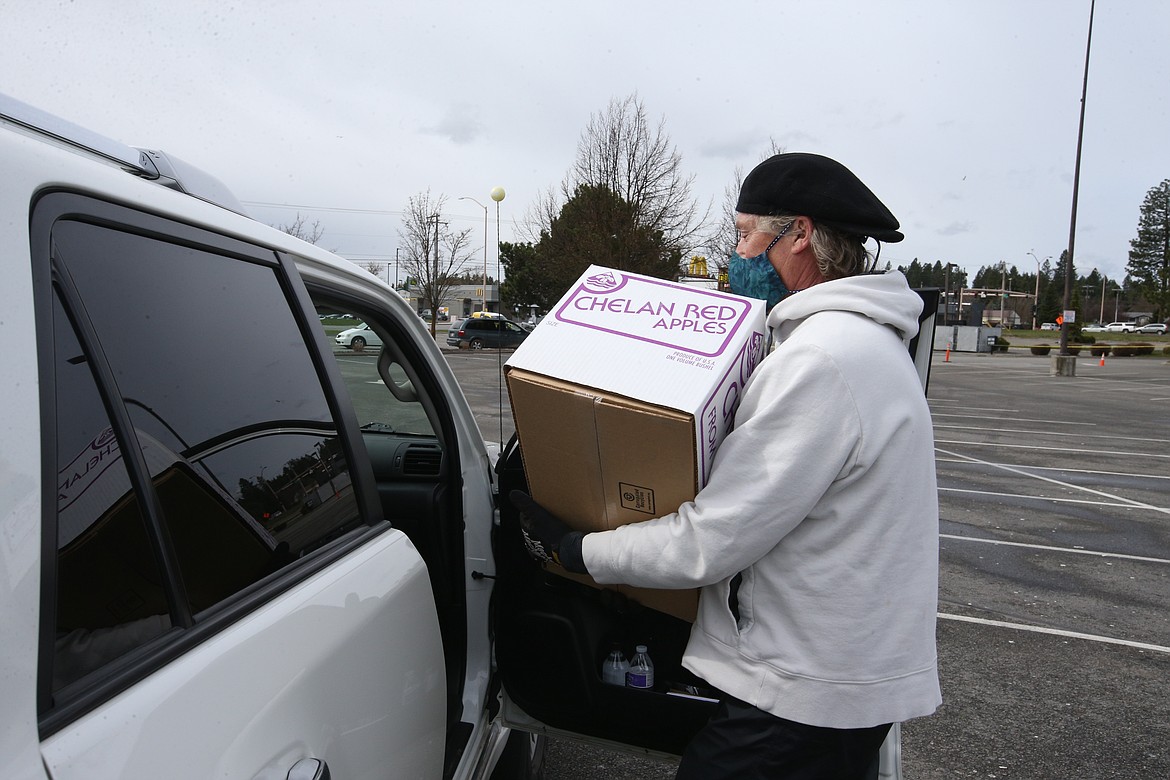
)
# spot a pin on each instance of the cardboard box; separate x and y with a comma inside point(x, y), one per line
point(621, 397)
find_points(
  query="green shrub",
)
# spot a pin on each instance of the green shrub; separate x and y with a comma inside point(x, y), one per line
point(1133, 348)
point(1001, 344)
point(1074, 349)
point(1100, 350)
point(1166, 351)
point(1041, 349)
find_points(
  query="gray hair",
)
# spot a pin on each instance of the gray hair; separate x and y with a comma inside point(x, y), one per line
point(838, 254)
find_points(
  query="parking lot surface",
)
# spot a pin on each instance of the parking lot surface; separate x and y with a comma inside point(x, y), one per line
point(1054, 514)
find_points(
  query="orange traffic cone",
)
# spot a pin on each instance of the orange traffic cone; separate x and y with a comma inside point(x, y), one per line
point(1102, 359)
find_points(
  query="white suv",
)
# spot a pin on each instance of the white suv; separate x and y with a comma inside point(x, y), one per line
point(222, 560)
point(279, 562)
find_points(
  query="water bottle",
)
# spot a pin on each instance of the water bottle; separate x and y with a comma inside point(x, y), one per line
point(641, 671)
point(613, 670)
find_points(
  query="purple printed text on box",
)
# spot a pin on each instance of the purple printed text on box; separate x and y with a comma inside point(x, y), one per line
point(693, 320)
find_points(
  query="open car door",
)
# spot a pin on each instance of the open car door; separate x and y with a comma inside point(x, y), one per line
point(552, 635)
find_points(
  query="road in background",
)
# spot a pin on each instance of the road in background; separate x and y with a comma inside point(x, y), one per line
point(1054, 632)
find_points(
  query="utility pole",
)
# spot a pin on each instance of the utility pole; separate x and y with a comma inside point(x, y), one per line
point(1036, 296)
point(435, 278)
point(1002, 288)
point(1070, 369)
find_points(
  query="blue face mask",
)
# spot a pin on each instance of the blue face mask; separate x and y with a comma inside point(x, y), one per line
point(754, 277)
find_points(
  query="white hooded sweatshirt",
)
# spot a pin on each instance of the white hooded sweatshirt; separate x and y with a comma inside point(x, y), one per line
point(824, 498)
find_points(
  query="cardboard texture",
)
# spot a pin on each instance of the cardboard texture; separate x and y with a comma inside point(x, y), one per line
point(621, 397)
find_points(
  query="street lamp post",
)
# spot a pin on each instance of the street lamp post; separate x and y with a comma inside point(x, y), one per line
point(497, 194)
point(485, 240)
point(1065, 354)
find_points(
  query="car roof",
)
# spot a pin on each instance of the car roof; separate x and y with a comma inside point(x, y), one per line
point(150, 164)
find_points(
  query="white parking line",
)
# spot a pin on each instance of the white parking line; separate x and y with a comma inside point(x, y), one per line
point(1051, 433)
point(1125, 504)
point(1034, 447)
point(1067, 485)
point(976, 408)
point(1015, 419)
point(1055, 632)
point(1095, 472)
point(1071, 550)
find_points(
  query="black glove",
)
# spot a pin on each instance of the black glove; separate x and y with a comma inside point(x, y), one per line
point(546, 537)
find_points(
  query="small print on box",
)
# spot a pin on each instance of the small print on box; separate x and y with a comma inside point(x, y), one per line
point(639, 499)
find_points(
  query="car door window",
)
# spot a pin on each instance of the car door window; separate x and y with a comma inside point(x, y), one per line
point(227, 412)
point(110, 598)
point(398, 411)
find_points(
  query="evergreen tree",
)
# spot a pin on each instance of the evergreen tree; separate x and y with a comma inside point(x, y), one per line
point(598, 226)
point(1149, 255)
point(525, 282)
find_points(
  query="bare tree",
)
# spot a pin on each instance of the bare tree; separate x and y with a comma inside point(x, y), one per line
point(540, 215)
point(435, 257)
point(373, 267)
point(305, 232)
point(721, 241)
point(622, 151)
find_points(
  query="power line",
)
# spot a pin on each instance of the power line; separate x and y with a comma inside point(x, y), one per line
point(339, 209)
point(344, 210)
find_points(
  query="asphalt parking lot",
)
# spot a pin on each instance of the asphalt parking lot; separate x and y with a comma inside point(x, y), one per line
point(1054, 631)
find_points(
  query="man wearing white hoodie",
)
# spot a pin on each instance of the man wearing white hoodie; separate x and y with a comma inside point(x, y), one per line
point(815, 540)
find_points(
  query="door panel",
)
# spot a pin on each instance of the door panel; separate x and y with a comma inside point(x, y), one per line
point(554, 633)
point(324, 670)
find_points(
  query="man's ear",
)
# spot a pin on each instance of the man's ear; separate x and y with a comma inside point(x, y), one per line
point(802, 230)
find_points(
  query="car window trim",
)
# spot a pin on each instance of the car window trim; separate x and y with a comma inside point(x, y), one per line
point(138, 474)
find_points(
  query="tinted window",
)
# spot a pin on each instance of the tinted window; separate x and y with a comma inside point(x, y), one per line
point(226, 404)
point(109, 595)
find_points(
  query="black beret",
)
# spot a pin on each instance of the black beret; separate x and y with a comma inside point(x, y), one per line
point(814, 186)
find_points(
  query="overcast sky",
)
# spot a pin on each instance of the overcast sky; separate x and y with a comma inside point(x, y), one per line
point(961, 116)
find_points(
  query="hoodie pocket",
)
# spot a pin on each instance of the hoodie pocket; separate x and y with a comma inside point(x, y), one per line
point(739, 600)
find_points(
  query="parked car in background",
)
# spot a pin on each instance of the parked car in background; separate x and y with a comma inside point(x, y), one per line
point(1121, 327)
point(358, 338)
point(486, 332)
point(1049, 326)
point(1096, 327)
point(1153, 327)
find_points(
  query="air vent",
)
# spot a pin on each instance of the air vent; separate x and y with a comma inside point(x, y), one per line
point(422, 461)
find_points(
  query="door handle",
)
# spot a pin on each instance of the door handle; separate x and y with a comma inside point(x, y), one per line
point(309, 769)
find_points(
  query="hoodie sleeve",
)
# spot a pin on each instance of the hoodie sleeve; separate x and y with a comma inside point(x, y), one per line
point(796, 430)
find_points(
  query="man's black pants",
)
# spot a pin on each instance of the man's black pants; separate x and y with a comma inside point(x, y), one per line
point(746, 743)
